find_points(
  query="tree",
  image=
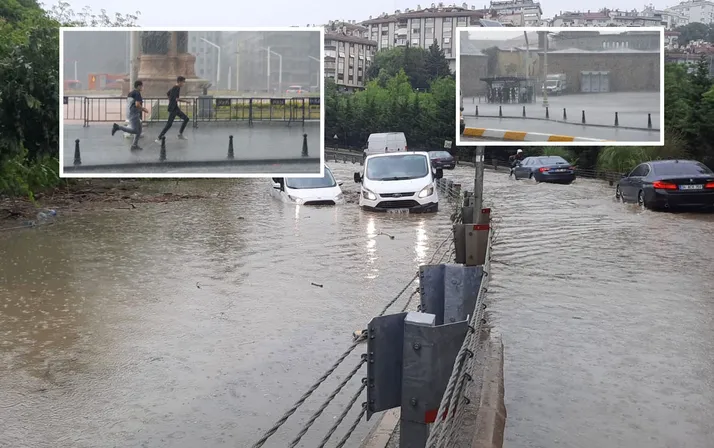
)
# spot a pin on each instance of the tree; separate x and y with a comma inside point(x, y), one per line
point(693, 32)
point(435, 64)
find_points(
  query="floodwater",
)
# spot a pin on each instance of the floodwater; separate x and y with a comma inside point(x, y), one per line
point(196, 323)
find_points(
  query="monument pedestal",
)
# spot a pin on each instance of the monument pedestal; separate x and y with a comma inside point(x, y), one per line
point(159, 69)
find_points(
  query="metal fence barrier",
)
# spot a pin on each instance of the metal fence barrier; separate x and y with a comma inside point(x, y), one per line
point(113, 109)
point(434, 345)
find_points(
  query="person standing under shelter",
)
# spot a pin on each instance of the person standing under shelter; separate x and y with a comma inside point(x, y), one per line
point(175, 110)
point(136, 106)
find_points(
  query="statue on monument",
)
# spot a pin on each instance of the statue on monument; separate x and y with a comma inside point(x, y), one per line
point(164, 57)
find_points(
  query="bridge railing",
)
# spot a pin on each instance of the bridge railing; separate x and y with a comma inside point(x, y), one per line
point(88, 110)
point(419, 361)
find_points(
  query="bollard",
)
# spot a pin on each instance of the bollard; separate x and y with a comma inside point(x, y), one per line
point(477, 110)
point(231, 154)
point(500, 111)
point(162, 154)
point(524, 111)
point(547, 113)
point(617, 121)
point(649, 121)
point(304, 145)
point(77, 155)
point(495, 164)
point(565, 114)
point(583, 120)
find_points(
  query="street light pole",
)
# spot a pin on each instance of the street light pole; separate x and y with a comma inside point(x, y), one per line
point(218, 64)
point(545, 69)
point(280, 68)
point(317, 78)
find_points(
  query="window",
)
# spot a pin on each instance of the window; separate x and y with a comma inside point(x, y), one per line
point(352, 61)
point(429, 20)
point(341, 76)
point(359, 78)
point(429, 29)
point(415, 41)
point(640, 170)
point(447, 40)
point(385, 32)
point(416, 30)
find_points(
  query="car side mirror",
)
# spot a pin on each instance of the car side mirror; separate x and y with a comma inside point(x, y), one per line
point(462, 109)
point(622, 176)
point(358, 178)
point(439, 173)
point(339, 184)
point(276, 185)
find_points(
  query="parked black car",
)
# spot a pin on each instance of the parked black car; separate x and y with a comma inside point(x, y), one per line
point(553, 169)
point(668, 184)
point(442, 159)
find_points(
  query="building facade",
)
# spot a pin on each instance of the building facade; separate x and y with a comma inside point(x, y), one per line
point(612, 18)
point(594, 41)
point(348, 54)
point(695, 11)
point(421, 27)
point(517, 12)
point(206, 55)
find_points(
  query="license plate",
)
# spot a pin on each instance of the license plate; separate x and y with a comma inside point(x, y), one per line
point(691, 187)
point(559, 171)
point(398, 210)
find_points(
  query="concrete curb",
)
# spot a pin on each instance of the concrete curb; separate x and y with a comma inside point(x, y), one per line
point(382, 432)
point(518, 136)
point(491, 418)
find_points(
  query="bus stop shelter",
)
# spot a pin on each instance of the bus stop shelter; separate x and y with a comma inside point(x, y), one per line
point(510, 89)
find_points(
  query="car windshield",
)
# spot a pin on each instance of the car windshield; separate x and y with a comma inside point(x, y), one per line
point(552, 160)
point(397, 167)
point(681, 168)
point(303, 183)
point(552, 83)
point(439, 155)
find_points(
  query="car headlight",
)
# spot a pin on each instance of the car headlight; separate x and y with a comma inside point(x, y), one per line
point(426, 191)
point(295, 200)
point(369, 195)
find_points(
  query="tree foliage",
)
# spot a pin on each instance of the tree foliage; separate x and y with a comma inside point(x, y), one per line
point(695, 31)
point(421, 66)
point(29, 91)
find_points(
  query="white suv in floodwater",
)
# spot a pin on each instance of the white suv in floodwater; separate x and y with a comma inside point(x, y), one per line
point(403, 181)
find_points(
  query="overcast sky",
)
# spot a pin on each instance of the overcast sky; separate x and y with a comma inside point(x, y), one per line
point(241, 13)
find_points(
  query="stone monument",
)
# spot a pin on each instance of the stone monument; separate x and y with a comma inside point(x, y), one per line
point(164, 56)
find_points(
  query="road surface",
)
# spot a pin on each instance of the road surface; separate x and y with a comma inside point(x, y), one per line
point(208, 142)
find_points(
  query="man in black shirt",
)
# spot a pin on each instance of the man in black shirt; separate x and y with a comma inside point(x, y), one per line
point(174, 110)
point(136, 107)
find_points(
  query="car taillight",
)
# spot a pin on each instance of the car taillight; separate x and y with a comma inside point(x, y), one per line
point(659, 185)
point(709, 185)
point(544, 169)
point(405, 148)
point(573, 168)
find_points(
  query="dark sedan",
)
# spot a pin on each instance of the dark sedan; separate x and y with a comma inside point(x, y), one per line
point(442, 159)
point(668, 184)
point(553, 169)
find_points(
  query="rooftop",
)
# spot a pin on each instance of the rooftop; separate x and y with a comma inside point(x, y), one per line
point(444, 11)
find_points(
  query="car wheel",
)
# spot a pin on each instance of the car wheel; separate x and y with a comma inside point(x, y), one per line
point(618, 194)
point(641, 200)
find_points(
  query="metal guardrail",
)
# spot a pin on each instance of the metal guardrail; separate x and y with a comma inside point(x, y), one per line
point(442, 254)
point(113, 109)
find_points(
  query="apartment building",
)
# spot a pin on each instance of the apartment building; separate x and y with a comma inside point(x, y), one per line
point(695, 11)
point(606, 17)
point(348, 54)
point(517, 12)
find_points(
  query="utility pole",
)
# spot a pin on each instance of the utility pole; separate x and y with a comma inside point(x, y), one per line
point(477, 200)
point(545, 69)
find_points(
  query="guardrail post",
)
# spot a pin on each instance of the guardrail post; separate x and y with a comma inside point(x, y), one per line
point(427, 361)
point(471, 238)
point(449, 291)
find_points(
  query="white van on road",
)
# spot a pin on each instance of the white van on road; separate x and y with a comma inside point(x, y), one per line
point(385, 142)
point(308, 191)
point(403, 181)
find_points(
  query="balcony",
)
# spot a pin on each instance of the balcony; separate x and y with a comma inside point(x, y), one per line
point(401, 42)
point(401, 31)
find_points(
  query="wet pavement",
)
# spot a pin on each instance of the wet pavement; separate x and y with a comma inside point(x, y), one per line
point(209, 142)
point(196, 324)
point(599, 109)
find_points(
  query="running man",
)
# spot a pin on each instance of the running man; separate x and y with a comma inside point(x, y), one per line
point(136, 107)
point(174, 110)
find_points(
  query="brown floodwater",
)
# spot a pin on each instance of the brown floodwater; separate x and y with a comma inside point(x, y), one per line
point(196, 323)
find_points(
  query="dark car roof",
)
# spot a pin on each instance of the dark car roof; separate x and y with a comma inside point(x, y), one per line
point(665, 162)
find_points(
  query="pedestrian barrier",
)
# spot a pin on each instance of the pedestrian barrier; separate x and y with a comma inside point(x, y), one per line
point(545, 115)
point(518, 136)
point(420, 361)
point(199, 110)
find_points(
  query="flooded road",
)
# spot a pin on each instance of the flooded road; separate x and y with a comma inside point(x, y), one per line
point(195, 323)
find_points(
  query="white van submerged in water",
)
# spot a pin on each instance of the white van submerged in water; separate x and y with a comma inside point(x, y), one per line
point(403, 181)
point(323, 190)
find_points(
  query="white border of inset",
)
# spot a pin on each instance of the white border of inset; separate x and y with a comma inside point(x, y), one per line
point(457, 48)
point(62, 174)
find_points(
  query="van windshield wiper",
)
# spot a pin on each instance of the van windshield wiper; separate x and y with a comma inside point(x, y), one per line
point(397, 178)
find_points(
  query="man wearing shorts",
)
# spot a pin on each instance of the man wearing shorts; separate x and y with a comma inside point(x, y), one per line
point(174, 110)
point(136, 107)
